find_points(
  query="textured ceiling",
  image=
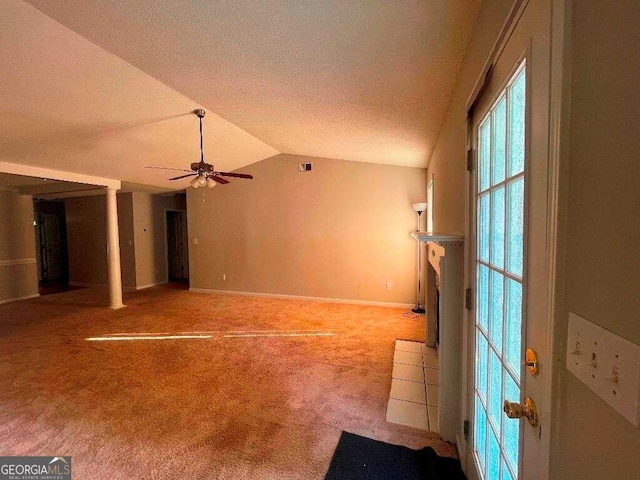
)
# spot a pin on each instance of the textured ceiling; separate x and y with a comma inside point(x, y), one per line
point(355, 80)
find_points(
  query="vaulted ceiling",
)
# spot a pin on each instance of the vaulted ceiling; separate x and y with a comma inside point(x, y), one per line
point(105, 87)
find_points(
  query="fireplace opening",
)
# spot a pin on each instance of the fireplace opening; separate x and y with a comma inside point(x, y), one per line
point(432, 306)
point(436, 308)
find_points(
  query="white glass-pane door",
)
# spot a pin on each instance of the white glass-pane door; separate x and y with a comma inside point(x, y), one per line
point(499, 207)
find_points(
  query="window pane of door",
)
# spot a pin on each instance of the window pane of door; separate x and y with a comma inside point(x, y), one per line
point(483, 297)
point(484, 159)
point(493, 457)
point(496, 311)
point(497, 227)
point(483, 228)
point(499, 142)
point(511, 428)
point(513, 330)
point(481, 370)
point(517, 106)
point(515, 226)
point(480, 433)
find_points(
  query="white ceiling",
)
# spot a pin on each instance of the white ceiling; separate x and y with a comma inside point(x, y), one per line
point(355, 80)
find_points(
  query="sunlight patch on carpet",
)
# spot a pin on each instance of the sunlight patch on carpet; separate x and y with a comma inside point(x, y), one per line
point(280, 333)
point(151, 334)
point(155, 337)
point(108, 337)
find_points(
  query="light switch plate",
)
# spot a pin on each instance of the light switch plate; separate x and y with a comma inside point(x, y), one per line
point(606, 363)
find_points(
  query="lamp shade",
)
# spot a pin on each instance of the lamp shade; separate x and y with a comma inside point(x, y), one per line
point(419, 207)
point(194, 183)
point(210, 182)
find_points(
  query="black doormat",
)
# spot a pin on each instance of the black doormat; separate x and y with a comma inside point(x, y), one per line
point(358, 458)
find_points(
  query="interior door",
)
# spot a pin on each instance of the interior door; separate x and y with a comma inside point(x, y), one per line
point(49, 238)
point(177, 245)
point(508, 259)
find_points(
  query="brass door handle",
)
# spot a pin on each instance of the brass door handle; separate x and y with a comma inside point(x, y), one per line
point(517, 410)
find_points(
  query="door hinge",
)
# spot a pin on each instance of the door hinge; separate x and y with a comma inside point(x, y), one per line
point(465, 429)
point(467, 299)
point(469, 160)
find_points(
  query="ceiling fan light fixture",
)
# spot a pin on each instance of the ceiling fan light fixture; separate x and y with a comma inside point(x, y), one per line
point(210, 182)
point(202, 180)
point(194, 182)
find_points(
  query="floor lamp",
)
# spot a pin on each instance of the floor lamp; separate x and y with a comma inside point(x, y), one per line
point(419, 308)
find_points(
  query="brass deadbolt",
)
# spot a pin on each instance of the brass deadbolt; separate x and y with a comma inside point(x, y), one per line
point(517, 410)
point(531, 361)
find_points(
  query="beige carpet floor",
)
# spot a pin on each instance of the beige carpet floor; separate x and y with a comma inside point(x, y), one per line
point(219, 407)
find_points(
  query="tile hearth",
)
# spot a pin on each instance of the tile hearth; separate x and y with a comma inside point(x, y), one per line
point(413, 400)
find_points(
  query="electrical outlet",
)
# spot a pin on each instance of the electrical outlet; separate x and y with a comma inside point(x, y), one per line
point(606, 363)
point(389, 285)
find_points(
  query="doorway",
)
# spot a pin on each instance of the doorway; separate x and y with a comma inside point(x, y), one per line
point(52, 255)
point(509, 230)
point(177, 246)
point(499, 278)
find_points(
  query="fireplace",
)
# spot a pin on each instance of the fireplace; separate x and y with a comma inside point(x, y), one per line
point(444, 305)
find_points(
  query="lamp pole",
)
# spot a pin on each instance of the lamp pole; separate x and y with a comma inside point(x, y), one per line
point(419, 308)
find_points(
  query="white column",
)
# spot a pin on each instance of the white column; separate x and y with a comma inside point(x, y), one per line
point(113, 252)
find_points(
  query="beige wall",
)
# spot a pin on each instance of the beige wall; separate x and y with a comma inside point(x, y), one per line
point(602, 268)
point(141, 227)
point(448, 162)
point(87, 239)
point(150, 236)
point(127, 247)
point(316, 234)
point(18, 269)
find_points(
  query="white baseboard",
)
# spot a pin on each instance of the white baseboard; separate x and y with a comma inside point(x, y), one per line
point(18, 261)
point(300, 297)
point(87, 284)
point(142, 287)
point(124, 288)
point(17, 299)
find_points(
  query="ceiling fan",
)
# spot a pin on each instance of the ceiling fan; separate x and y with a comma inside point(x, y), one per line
point(203, 172)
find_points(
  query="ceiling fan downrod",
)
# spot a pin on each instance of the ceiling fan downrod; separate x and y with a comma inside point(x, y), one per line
point(200, 113)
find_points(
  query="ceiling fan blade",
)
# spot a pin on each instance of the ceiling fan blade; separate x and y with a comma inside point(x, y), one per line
point(218, 179)
point(236, 175)
point(184, 176)
point(165, 168)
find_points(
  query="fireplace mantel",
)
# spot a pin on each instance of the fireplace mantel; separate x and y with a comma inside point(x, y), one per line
point(445, 254)
point(443, 239)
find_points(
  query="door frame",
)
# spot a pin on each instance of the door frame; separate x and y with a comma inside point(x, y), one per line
point(558, 116)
